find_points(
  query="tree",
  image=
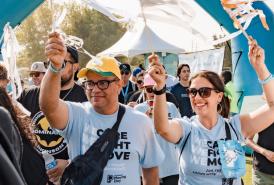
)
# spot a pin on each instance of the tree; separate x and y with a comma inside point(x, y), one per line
point(97, 31)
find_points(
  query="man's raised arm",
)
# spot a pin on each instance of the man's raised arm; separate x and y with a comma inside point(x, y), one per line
point(55, 110)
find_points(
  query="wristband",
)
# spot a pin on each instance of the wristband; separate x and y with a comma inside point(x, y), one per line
point(56, 70)
point(265, 81)
point(162, 91)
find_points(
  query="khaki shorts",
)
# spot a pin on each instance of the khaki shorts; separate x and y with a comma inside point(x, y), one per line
point(260, 178)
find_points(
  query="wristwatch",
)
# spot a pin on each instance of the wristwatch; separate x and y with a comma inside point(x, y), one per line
point(159, 92)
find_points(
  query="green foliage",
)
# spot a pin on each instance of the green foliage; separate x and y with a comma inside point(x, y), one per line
point(97, 31)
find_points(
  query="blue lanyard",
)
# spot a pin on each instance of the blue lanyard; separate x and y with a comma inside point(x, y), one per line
point(125, 92)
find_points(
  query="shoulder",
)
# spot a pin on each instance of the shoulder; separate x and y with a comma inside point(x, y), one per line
point(135, 116)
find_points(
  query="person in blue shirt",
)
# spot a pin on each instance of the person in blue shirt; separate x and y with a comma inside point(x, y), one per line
point(81, 124)
point(200, 160)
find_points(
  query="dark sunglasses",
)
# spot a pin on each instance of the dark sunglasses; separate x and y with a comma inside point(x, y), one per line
point(36, 74)
point(140, 82)
point(124, 73)
point(204, 92)
point(101, 84)
point(149, 89)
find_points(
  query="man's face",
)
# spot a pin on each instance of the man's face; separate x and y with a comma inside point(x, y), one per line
point(125, 76)
point(185, 73)
point(68, 72)
point(106, 97)
point(37, 77)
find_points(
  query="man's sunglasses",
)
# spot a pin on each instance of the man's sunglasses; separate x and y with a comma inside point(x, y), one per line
point(204, 92)
point(35, 74)
point(140, 82)
point(149, 89)
point(124, 73)
point(101, 84)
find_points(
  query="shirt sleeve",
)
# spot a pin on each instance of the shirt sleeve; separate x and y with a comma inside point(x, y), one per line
point(73, 127)
point(153, 154)
point(236, 124)
point(185, 123)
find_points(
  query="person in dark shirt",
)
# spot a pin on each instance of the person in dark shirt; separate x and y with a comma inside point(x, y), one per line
point(263, 158)
point(128, 86)
point(179, 90)
point(47, 138)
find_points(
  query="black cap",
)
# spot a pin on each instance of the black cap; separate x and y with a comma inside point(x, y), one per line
point(125, 67)
point(73, 52)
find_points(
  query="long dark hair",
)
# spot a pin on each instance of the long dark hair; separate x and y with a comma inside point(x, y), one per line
point(22, 121)
point(214, 79)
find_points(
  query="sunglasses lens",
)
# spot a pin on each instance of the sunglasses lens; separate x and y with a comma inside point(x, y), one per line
point(191, 92)
point(149, 90)
point(139, 81)
point(204, 92)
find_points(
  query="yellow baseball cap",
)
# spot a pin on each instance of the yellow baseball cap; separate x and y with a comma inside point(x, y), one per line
point(104, 66)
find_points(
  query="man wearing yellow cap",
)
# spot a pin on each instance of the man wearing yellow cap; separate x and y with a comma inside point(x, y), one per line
point(82, 123)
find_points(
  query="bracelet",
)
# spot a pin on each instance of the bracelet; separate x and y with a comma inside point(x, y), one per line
point(54, 69)
point(161, 91)
point(265, 81)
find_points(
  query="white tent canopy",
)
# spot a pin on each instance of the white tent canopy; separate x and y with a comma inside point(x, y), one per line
point(156, 37)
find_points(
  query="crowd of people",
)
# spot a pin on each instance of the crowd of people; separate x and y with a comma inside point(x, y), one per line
point(171, 133)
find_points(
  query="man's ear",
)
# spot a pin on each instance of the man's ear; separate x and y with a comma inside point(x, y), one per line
point(75, 67)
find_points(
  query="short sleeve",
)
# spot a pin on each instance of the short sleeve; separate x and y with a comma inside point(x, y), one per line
point(185, 123)
point(153, 154)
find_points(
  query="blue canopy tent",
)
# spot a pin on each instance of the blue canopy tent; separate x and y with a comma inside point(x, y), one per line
point(15, 11)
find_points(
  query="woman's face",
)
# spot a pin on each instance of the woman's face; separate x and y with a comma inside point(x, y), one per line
point(203, 97)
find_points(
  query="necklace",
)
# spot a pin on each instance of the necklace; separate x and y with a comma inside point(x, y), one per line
point(68, 92)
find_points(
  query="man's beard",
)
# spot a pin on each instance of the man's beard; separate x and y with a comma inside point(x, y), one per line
point(66, 81)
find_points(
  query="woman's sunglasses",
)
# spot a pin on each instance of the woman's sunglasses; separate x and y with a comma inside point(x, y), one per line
point(204, 92)
point(124, 73)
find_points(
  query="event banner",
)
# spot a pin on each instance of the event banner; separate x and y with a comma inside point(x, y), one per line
point(204, 60)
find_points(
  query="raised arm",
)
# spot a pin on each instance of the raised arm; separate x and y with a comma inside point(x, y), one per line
point(55, 110)
point(169, 130)
point(261, 150)
point(263, 117)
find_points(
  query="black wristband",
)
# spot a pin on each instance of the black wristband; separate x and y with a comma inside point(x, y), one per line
point(162, 91)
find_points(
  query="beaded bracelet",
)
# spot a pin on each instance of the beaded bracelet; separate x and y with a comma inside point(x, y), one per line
point(265, 81)
point(54, 69)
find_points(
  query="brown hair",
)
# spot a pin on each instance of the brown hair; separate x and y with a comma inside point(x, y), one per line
point(22, 121)
point(214, 79)
point(3, 72)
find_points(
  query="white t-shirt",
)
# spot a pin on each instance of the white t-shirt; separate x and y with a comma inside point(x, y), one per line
point(137, 146)
point(170, 165)
point(200, 160)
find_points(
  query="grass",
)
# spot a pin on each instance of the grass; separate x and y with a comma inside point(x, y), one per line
point(248, 176)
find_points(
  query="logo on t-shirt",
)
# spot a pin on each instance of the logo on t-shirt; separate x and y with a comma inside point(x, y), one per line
point(47, 138)
point(115, 178)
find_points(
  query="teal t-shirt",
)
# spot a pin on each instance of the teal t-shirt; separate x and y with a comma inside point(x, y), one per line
point(200, 160)
point(137, 146)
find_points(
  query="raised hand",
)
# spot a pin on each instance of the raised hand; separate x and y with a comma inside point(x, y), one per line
point(256, 53)
point(55, 49)
point(157, 72)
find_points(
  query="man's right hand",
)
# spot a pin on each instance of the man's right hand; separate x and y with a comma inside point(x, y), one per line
point(55, 49)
